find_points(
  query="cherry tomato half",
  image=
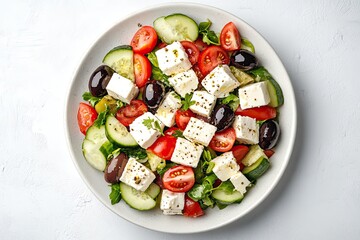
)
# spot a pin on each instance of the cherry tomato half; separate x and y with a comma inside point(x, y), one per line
point(191, 50)
point(179, 179)
point(127, 114)
point(144, 40)
point(198, 72)
point(223, 141)
point(163, 147)
point(230, 39)
point(192, 208)
point(211, 57)
point(200, 44)
point(86, 116)
point(259, 113)
point(239, 152)
point(142, 69)
point(182, 118)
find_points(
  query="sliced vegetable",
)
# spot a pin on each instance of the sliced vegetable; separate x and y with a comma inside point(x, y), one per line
point(192, 208)
point(163, 147)
point(142, 68)
point(230, 39)
point(211, 57)
point(179, 179)
point(121, 60)
point(259, 113)
point(118, 133)
point(223, 141)
point(144, 40)
point(127, 114)
point(86, 117)
point(136, 199)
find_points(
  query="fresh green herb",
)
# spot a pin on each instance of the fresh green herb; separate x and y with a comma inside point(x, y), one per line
point(186, 103)
point(210, 167)
point(232, 100)
point(90, 98)
point(208, 154)
point(153, 124)
point(153, 59)
point(119, 104)
point(200, 191)
point(176, 95)
point(208, 201)
point(209, 36)
point(204, 26)
point(115, 194)
point(178, 133)
point(247, 45)
point(158, 75)
point(101, 119)
point(138, 152)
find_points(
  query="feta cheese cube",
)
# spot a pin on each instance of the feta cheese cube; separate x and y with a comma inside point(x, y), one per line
point(204, 103)
point(186, 153)
point(225, 166)
point(184, 82)
point(254, 95)
point(172, 203)
point(143, 135)
point(246, 130)
point(220, 81)
point(199, 131)
point(137, 175)
point(122, 88)
point(240, 182)
point(167, 109)
point(173, 59)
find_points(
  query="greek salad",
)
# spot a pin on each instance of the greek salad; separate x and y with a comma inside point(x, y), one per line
point(183, 117)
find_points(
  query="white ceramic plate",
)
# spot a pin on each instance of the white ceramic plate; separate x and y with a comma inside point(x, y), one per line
point(122, 33)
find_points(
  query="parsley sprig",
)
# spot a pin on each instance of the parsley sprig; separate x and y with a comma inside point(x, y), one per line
point(90, 98)
point(153, 124)
point(187, 101)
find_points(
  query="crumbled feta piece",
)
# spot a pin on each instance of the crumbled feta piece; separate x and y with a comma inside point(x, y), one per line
point(137, 175)
point(199, 131)
point(240, 182)
point(254, 95)
point(220, 81)
point(246, 130)
point(204, 103)
point(143, 135)
point(225, 166)
point(122, 88)
point(173, 59)
point(167, 109)
point(184, 82)
point(172, 203)
point(186, 153)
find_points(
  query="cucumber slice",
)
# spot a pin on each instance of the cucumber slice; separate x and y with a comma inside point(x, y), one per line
point(275, 92)
point(154, 161)
point(96, 134)
point(107, 148)
point(117, 133)
point(153, 190)
point(241, 76)
point(136, 199)
point(254, 154)
point(255, 171)
point(121, 60)
point(226, 197)
point(176, 27)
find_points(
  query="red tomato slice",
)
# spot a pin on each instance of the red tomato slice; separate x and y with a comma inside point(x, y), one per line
point(86, 116)
point(259, 113)
point(198, 72)
point(161, 45)
point(200, 44)
point(179, 179)
point(191, 50)
point(212, 57)
point(142, 69)
point(192, 208)
point(127, 114)
point(163, 147)
point(182, 118)
point(239, 152)
point(230, 39)
point(144, 40)
point(223, 141)
point(269, 152)
point(171, 131)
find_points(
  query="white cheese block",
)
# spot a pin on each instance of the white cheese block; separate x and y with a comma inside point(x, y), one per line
point(172, 203)
point(254, 95)
point(137, 175)
point(184, 82)
point(246, 130)
point(204, 103)
point(225, 166)
point(186, 153)
point(240, 182)
point(167, 109)
point(199, 131)
point(122, 88)
point(220, 81)
point(144, 136)
point(173, 59)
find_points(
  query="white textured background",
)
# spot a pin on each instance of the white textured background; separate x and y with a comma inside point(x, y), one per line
point(42, 195)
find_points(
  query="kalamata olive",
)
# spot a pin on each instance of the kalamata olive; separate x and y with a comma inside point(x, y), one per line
point(153, 94)
point(269, 133)
point(99, 79)
point(222, 117)
point(115, 168)
point(243, 59)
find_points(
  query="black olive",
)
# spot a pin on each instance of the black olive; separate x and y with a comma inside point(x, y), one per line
point(269, 133)
point(153, 94)
point(99, 79)
point(115, 168)
point(243, 59)
point(222, 117)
